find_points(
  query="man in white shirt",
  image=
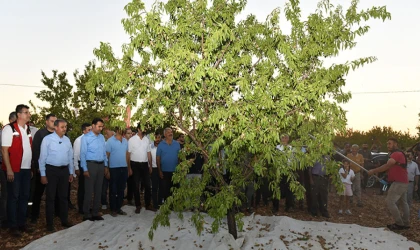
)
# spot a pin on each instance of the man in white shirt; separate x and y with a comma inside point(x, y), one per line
point(413, 177)
point(156, 195)
point(17, 155)
point(284, 185)
point(130, 183)
point(141, 165)
point(86, 128)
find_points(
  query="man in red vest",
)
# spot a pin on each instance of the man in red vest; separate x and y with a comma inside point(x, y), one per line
point(17, 155)
point(397, 193)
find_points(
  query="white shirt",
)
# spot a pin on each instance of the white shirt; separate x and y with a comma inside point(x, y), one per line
point(412, 170)
point(348, 177)
point(281, 147)
point(7, 139)
point(76, 152)
point(139, 148)
point(33, 130)
point(153, 150)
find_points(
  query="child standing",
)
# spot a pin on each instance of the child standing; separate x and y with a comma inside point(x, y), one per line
point(347, 176)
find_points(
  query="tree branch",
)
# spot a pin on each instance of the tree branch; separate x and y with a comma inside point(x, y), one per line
point(253, 66)
point(202, 39)
point(223, 54)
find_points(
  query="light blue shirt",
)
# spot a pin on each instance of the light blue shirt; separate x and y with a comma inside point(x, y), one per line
point(92, 148)
point(168, 155)
point(56, 151)
point(117, 152)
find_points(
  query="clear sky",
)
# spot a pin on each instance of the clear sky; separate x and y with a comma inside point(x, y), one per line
point(50, 34)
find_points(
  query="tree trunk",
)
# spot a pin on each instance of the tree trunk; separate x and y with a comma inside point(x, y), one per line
point(232, 223)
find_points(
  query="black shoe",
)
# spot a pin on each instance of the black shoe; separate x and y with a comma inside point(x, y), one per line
point(97, 218)
point(67, 224)
point(151, 208)
point(15, 232)
point(89, 218)
point(121, 212)
point(395, 227)
point(26, 229)
point(138, 209)
point(50, 228)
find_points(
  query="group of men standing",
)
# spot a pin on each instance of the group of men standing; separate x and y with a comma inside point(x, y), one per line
point(54, 163)
point(50, 158)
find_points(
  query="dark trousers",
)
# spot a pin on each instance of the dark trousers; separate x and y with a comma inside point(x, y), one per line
point(104, 193)
point(81, 190)
point(141, 176)
point(57, 187)
point(165, 185)
point(118, 179)
point(37, 195)
point(319, 195)
point(249, 194)
point(285, 193)
point(418, 190)
point(18, 197)
point(307, 185)
point(156, 195)
point(93, 186)
point(130, 188)
point(3, 197)
point(262, 192)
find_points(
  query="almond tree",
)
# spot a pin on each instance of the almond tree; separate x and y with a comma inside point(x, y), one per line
point(235, 85)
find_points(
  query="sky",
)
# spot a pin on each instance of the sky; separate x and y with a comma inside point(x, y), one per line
point(44, 35)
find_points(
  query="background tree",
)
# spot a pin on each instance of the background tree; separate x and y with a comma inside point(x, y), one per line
point(57, 96)
point(89, 105)
point(377, 135)
point(235, 86)
point(76, 107)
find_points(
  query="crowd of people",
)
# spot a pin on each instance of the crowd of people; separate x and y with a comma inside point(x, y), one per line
point(103, 165)
point(111, 163)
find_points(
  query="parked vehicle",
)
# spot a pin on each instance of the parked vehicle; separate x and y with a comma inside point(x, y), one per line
point(378, 159)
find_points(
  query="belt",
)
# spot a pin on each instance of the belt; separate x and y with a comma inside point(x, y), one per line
point(97, 162)
point(49, 165)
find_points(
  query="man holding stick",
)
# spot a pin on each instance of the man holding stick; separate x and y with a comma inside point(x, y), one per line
point(397, 193)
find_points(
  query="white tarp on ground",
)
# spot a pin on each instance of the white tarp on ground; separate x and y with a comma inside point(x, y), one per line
point(260, 232)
